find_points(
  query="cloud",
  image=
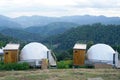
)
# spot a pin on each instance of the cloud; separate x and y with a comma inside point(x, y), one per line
point(28, 3)
point(98, 4)
point(15, 8)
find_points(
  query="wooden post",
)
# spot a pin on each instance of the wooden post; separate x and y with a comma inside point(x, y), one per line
point(44, 64)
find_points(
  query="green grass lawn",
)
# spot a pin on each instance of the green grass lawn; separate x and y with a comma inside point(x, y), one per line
point(61, 74)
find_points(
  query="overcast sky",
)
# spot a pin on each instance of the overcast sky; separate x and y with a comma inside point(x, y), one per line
point(15, 8)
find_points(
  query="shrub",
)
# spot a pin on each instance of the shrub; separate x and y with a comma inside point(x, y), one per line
point(69, 64)
point(1, 62)
point(14, 66)
point(64, 64)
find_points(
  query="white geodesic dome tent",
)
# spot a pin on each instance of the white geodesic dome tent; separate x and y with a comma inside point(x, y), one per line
point(101, 53)
point(1, 52)
point(34, 52)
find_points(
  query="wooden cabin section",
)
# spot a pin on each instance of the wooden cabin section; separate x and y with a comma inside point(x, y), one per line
point(11, 56)
point(79, 51)
point(79, 57)
point(11, 52)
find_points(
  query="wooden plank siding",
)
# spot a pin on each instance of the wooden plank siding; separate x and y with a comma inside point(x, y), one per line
point(10, 56)
point(78, 57)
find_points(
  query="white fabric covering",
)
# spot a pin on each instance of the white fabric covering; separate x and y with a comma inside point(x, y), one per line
point(35, 51)
point(100, 52)
point(1, 52)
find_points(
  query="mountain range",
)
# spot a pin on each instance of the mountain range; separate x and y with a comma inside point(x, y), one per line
point(6, 22)
point(37, 28)
point(28, 21)
point(81, 20)
point(51, 28)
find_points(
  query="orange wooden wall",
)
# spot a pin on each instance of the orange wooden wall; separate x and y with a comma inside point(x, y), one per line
point(78, 57)
point(10, 56)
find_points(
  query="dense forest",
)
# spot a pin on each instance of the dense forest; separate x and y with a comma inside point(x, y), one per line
point(97, 33)
point(5, 39)
point(21, 35)
point(88, 34)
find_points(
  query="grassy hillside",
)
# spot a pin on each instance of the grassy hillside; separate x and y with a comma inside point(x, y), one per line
point(62, 74)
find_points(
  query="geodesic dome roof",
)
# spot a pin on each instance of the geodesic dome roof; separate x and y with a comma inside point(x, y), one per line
point(101, 52)
point(33, 51)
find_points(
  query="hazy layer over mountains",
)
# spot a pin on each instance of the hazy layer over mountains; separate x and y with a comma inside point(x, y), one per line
point(28, 21)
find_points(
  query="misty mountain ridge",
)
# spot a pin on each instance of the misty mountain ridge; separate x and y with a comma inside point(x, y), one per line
point(52, 28)
point(27, 21)
point(6, 22)
point(81, 20)
point(38, 33)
